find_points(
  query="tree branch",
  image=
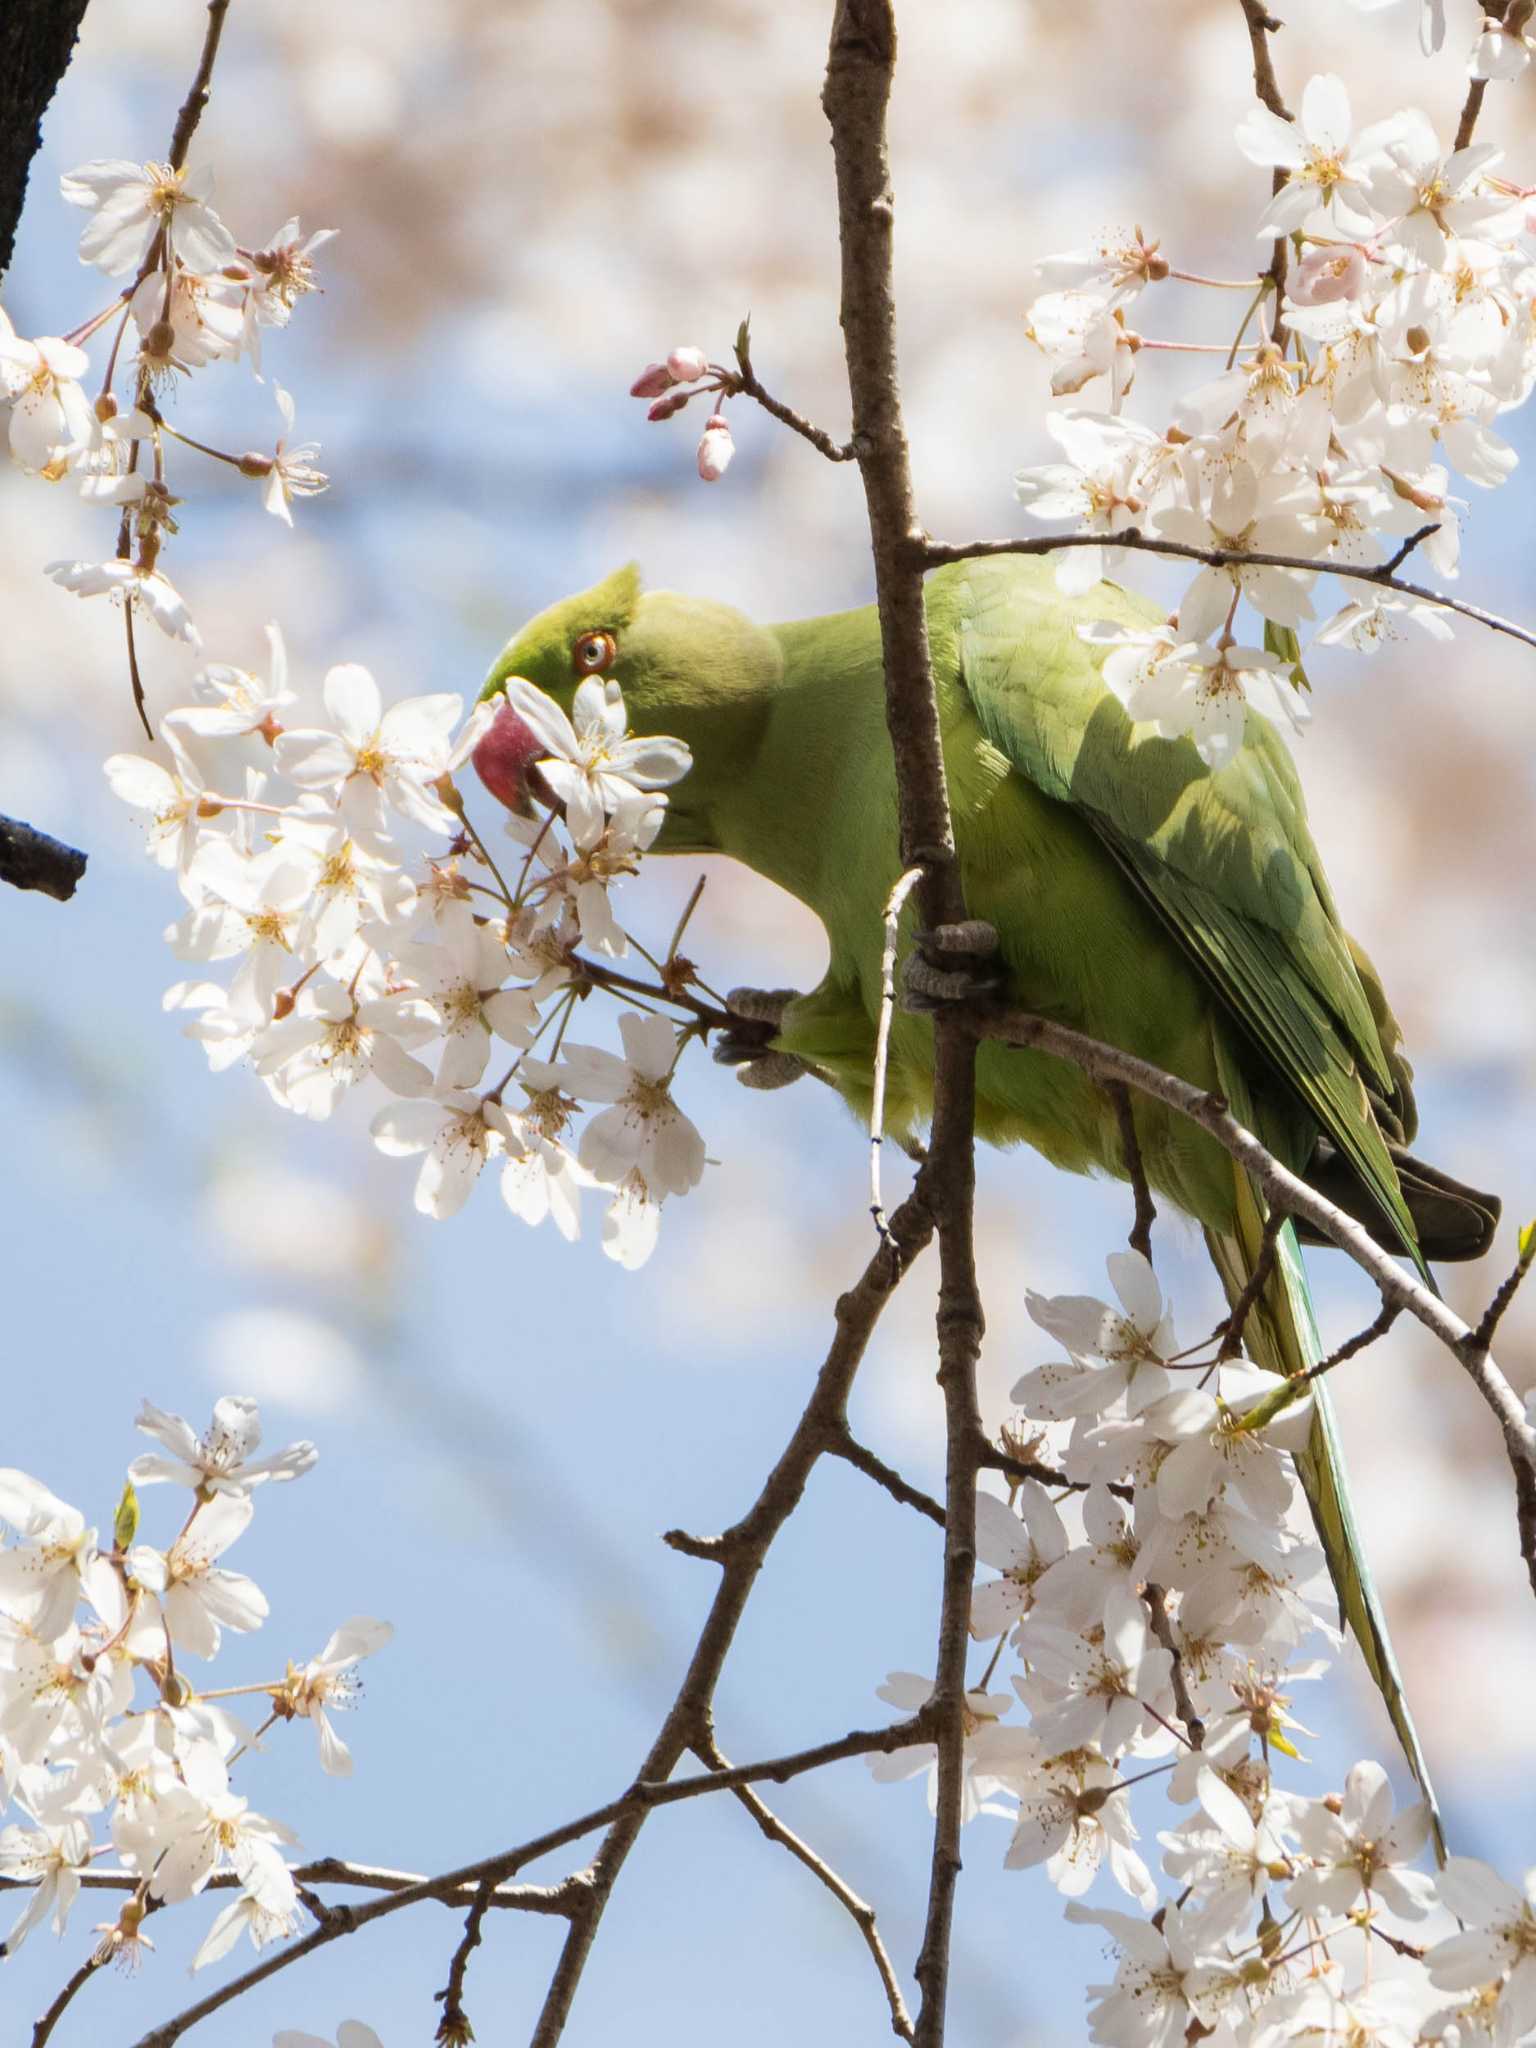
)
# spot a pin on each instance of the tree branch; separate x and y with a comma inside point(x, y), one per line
point(746, 381)
point(861, 61)
point(50, 2019)
point(859, 1910)
point(30, 859)
point(935, 553)
point(1283, 1189)
point(1261, 26)
point(37, 40)
point(575, 1896)
point(198, 92)
point(740, 1553)
point(1472, 105)
point(864, 1460)
point(454, 2025)
point(1135, 1172)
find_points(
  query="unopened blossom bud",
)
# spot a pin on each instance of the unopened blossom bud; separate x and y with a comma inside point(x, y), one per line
point(686, 364)
point(664, 408)
point(652, 381)
point(106, 407)
point(1324, 275)
point(715, 448)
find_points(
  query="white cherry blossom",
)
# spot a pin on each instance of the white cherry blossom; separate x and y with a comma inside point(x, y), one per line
point(130, 204)
point(592, 766)
point(221, 1460)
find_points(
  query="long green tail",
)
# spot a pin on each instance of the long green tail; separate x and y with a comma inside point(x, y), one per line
point(1281, 1335)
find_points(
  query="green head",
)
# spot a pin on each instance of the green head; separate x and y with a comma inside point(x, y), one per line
point(688, 667)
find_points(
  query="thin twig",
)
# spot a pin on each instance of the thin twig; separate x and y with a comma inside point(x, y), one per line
point(1361, 1341)
point(991, 1457)
point(454, 2025)
point(1162, 1628)
point(1281, 1189)
point(324, 1870)
point(935, 553)
point(135, 679)
point(859, 1910)
point(864, 1460)
point(894, 904)
point(1135, 1170)
point(576, 1893)
point(1261, 26)
point(1472, 105)
point(197, 96)
point(1492, 1316)
point(1237, 1322)
point(56, 2011)
point(746, 381)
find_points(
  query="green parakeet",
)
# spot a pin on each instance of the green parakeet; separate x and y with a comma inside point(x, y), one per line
point(1177, 911)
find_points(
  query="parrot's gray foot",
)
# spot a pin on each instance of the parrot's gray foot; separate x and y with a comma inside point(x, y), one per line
point(757, 1014)
point(953, 963)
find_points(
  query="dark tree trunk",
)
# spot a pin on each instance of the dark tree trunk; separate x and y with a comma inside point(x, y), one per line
point(37, 40)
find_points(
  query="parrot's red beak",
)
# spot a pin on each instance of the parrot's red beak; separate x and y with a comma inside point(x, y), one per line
point(505, 762)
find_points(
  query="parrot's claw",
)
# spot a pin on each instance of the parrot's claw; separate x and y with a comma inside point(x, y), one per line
point(950, 964)
point(761, 1005)
point(757, 1014)
point(771, 1070)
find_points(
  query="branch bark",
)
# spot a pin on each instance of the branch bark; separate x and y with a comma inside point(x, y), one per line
point(861, 63)
point(37, 40)
point(30, 859)
point(937, 553)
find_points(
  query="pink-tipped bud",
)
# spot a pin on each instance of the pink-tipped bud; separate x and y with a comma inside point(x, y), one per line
point(686, 364)
point(652, 381)
point(715, 448)
point(1324, 275)
point(664, 408)
point(504, 760)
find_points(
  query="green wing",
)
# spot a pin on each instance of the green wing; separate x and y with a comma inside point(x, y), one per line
point(1227, 862)
point(1224, 858)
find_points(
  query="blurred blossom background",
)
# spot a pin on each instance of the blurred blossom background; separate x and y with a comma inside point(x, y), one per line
point(533, 202)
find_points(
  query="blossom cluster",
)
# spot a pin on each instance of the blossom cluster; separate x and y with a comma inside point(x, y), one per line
point(372, 937)
point(110, 1747)
point(194, 296)
point(1154, 1605)
point(1406, 327)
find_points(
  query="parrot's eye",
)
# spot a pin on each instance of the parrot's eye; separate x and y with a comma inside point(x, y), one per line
point(593, 653)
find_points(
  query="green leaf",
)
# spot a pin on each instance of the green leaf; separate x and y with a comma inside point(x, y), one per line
point(1282, 640)
point(744, 344)
point(125, 1523)
point(1527, 1243)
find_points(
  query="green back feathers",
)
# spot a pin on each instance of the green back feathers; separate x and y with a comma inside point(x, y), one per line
point(1224, 857)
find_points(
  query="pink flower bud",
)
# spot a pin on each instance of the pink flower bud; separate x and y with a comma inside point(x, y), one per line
point(652, 380)
point(686, 364)
point(1324, 275)
point(664, 408)
point(504, 760)
point(715, 448)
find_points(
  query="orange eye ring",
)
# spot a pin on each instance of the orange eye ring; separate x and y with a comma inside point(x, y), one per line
point(594, 653)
